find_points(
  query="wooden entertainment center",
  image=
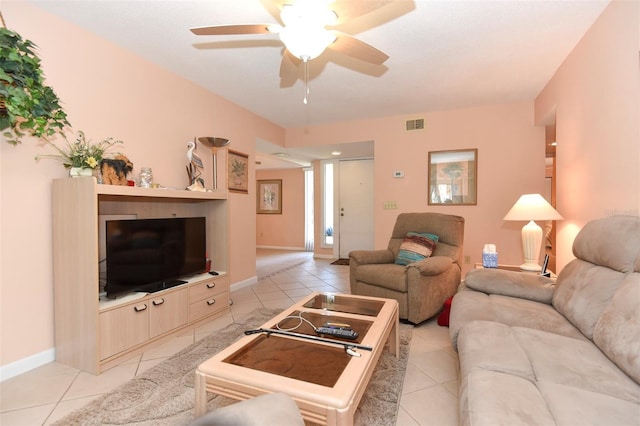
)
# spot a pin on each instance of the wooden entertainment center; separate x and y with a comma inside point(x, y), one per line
point(93, 333)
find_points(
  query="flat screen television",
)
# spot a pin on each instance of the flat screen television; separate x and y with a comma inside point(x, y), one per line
point(150, 255)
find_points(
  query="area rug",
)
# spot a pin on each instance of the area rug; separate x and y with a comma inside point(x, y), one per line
point(341, 262)
point(164, 394)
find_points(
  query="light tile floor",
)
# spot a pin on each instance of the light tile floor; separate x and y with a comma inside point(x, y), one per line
point(429, 395)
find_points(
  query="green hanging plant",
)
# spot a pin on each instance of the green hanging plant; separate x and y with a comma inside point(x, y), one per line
point(27, 105)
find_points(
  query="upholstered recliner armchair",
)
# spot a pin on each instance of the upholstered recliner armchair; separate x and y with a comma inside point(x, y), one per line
point(420, 287)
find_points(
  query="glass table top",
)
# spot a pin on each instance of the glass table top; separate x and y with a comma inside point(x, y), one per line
point(338, 303)
point(293, 358)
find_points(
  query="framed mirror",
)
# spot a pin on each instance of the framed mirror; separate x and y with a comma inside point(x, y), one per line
point(453, 177)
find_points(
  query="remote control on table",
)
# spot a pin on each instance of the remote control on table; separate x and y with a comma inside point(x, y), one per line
point(338, 332)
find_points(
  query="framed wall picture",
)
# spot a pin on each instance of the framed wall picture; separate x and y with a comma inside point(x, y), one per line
point(453, 177)
point(238, 172)
point(269, 196)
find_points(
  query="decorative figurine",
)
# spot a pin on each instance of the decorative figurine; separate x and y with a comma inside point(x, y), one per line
point(115, 170)
point(195, 167)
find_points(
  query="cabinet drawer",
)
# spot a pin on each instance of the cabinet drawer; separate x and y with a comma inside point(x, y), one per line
point(167, 311)
point(209, 306)
point(123, 328)
point(208, 288)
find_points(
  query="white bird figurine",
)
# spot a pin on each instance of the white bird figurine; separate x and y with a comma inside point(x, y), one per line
point(195, 164)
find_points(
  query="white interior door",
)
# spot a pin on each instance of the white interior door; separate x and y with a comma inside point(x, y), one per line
point(355, 206)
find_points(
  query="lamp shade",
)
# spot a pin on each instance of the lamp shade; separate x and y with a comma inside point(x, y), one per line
point(214, 142)
point(532, 207)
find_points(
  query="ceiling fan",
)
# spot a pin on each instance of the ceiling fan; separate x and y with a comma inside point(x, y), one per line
point(307, 28)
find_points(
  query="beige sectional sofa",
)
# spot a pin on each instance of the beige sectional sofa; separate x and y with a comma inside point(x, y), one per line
point(566, 353)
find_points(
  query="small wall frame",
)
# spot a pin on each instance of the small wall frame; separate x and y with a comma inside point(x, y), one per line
point(453, 177)
point(238, 172)
point(269, 196)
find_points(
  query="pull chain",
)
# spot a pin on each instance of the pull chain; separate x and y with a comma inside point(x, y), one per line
point(306, 80)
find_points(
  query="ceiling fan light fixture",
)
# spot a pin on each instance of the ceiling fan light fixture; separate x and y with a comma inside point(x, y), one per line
point(308, 12)
point(306, 43)
point(274, 28)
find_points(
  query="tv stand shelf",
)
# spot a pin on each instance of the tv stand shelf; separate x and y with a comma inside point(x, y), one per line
point(91, 334)
point(134, 192)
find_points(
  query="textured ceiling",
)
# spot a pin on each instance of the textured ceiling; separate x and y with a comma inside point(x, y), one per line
point(443, 54)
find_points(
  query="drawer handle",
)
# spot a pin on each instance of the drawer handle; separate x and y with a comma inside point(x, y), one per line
point(211, 302)
point(140, 308)
point(211, 285)
point(158, 302)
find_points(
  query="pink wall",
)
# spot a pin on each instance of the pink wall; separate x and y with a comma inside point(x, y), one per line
point(510, 155)
point(594, 97)
point(110, 92)
point(107, 92)
point(284, 230)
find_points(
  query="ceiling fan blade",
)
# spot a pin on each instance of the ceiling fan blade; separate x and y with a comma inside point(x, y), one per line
point(274, 7)
point(351, 46)
point(232, 29)
point(349, 9)
point(288, 69)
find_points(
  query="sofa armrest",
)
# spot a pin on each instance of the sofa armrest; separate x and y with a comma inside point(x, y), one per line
point(435, 265)
point(511, 283)
point(363, 257)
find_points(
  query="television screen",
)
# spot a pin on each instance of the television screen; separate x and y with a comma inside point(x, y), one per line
point(153, 254)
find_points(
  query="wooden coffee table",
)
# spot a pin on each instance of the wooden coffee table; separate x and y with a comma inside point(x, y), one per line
point(326, 380)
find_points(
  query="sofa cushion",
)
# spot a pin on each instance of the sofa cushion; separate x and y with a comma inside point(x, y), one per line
point(470, 305)
point(416, 247)
point(611, 242)
point(518, 375)
point(583, 291)
point(489, 398)
point(511, 283)
point(606, 250)
point(617, 332)
point(571, 405)
point(389, 276)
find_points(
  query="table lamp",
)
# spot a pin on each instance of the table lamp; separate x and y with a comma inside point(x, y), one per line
point(531, 207)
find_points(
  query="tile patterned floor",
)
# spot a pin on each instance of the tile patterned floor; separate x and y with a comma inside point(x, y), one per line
point(429, 396)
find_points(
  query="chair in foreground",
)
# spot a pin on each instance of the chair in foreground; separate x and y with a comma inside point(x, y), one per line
point(271, 409)
point(421, 268)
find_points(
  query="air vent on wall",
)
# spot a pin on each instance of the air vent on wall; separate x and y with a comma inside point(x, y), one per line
point(417, 124)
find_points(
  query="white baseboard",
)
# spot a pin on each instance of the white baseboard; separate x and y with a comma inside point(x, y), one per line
point(242, 284)
point(27, 364)
point(281, 248)
point(323, 256)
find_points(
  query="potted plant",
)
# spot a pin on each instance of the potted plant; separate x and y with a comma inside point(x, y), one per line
point(27, 105)
point(238, 169)
point(81, 157)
